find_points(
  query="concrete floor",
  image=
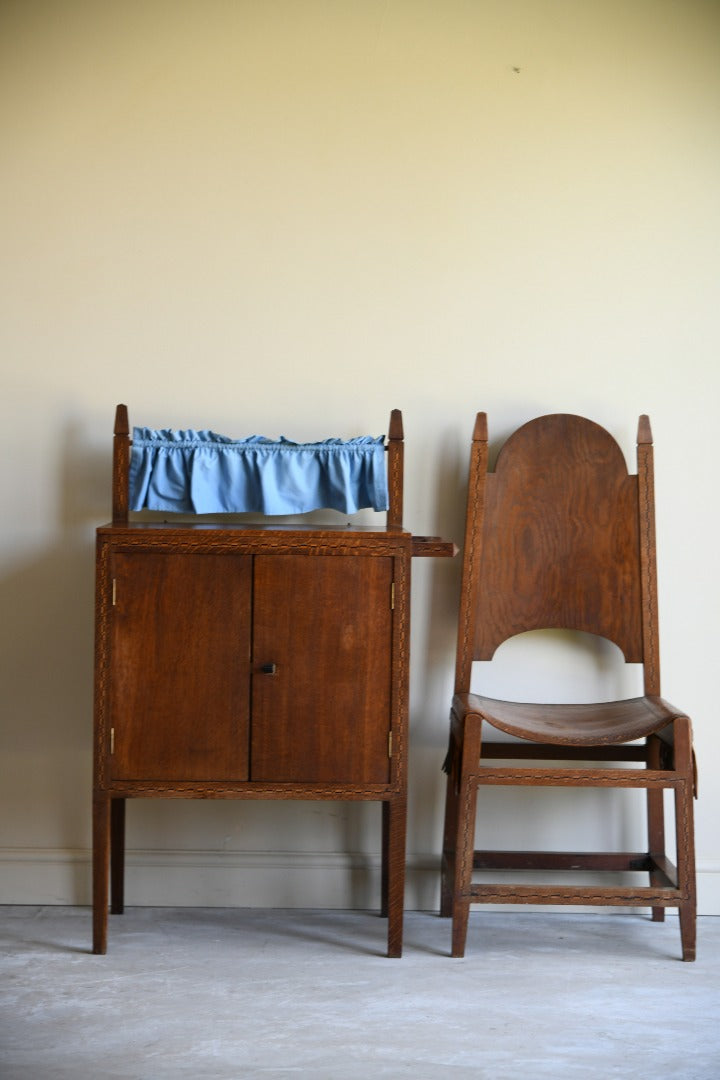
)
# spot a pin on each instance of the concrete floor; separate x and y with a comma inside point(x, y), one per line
point(216, 994)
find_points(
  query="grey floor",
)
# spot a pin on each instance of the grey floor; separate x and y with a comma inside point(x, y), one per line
point(220, 994)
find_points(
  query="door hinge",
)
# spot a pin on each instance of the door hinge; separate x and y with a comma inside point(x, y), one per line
point(112, 740)
point(392, 596)
point(389, 744)
point(114, 592)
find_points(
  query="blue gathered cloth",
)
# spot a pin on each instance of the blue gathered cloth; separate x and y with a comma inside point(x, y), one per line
point(199, 472)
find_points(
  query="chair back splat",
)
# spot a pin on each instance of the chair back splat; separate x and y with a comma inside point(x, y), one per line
point(561, 536)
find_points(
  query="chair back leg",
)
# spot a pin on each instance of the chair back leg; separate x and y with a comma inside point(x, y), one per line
point(655, 819)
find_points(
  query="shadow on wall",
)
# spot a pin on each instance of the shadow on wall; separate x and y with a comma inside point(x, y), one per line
point(46, 662)
point(435, 599)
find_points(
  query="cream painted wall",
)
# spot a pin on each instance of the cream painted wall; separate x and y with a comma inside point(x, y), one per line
point(289, 216)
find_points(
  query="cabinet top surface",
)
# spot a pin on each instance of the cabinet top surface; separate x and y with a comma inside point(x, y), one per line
point(253, 529)
point(261, 535)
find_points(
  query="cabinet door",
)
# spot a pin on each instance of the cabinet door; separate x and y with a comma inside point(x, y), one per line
point(180, 666)
point(323, 628)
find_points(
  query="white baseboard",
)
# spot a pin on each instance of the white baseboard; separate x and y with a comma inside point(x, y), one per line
point(242, 879)
point(198, 878)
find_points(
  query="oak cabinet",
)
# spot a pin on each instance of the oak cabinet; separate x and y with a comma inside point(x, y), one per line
point(241, 661)
point(241, 667)
point(250, 662)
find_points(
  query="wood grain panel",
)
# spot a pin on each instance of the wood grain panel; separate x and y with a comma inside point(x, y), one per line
point(561, 546)
point(180, 645)
point(325, 622)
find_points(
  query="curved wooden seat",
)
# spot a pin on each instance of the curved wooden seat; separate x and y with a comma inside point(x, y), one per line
point(606, 723)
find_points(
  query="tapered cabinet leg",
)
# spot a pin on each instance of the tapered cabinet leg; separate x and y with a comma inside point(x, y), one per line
point(384, 876)
point(447, 871)
point(117, 856)
point(101, 856)
point(396, 826)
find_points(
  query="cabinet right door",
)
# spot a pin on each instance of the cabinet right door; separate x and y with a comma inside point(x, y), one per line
point(322, 668)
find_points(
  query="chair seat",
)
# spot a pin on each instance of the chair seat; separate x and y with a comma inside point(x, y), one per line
point(606, 723)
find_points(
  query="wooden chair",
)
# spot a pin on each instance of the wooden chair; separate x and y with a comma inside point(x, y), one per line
point(561, 536)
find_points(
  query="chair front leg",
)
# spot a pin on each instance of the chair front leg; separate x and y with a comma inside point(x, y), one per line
point(684, 820)
point(447, 869)
point(465, 831)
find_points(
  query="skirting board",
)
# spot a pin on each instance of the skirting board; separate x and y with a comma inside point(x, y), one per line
point(283, 879)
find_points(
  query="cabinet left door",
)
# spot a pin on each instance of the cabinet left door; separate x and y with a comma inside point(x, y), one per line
point(180, 666)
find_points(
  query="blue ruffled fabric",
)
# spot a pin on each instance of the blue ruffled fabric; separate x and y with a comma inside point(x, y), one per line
point(199, 472)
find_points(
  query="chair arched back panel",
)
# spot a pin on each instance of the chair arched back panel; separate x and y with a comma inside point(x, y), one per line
point(561, 538)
